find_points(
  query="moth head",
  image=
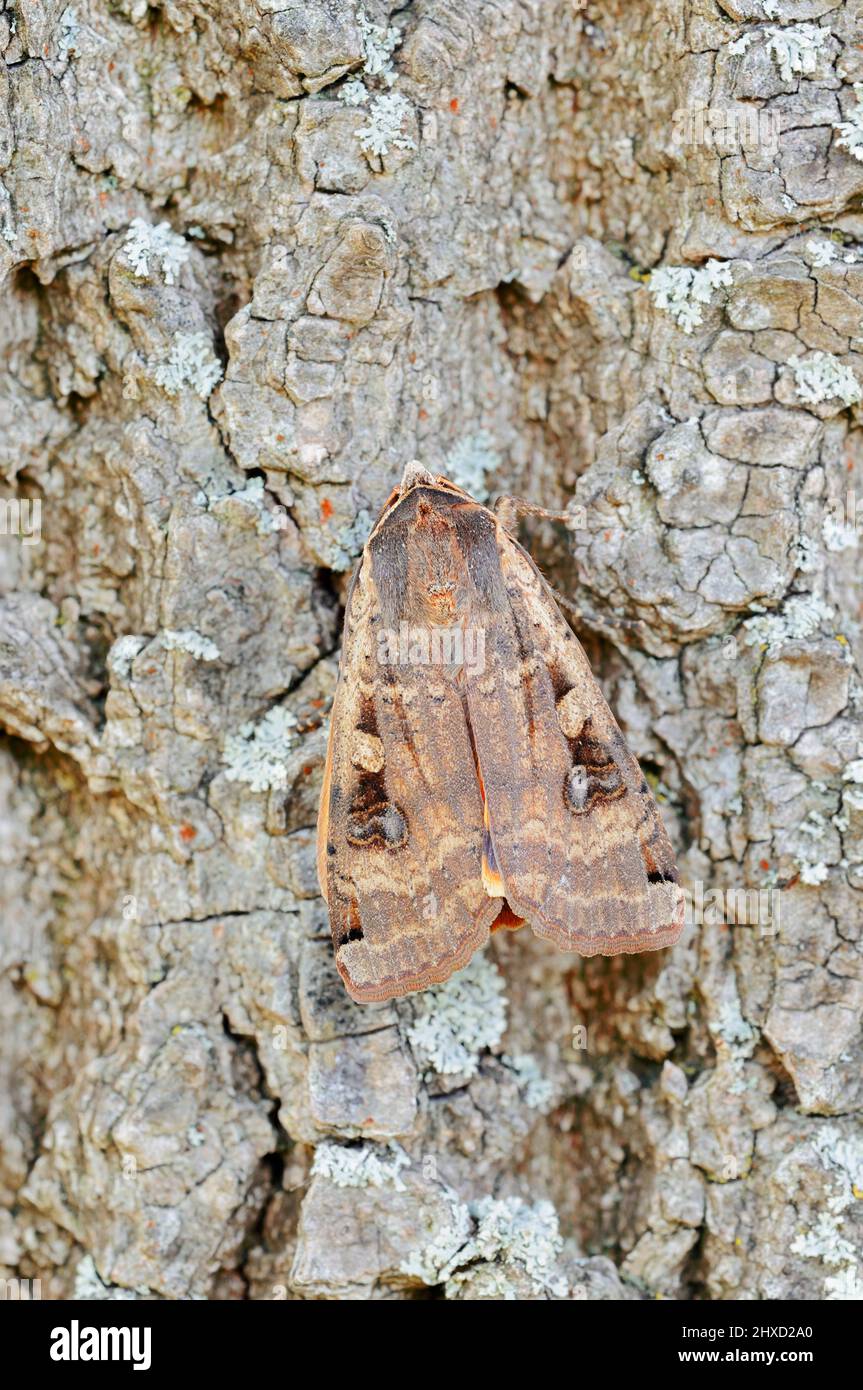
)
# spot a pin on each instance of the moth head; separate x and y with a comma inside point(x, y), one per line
point(414, 476)
point(417, 476)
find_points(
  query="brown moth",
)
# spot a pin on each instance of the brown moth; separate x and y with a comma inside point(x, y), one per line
point(475, 777)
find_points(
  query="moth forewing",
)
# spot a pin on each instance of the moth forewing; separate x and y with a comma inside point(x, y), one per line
point(400, 825)
point(576, 833)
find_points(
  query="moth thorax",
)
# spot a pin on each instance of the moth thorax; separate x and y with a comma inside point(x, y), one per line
point(432, 526)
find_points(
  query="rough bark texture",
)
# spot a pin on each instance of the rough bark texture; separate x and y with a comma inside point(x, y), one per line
point(425, 233)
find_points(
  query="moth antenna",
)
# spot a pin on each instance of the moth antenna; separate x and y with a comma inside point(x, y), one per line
point(413, 476)
point(508, 509)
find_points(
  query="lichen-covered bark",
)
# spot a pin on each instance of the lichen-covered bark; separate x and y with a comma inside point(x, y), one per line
point(258, 255)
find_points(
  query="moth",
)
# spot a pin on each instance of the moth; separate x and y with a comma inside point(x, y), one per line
point(475, 777)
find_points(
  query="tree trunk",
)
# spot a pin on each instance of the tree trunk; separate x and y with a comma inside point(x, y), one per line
point(259, 256)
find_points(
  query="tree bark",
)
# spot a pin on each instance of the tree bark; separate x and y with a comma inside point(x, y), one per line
point(602, 255)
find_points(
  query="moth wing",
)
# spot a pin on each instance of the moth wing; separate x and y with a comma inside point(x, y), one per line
point(401, 821)
point(573, 828)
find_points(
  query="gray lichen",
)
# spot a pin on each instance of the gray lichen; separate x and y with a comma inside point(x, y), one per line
point(455, 1022)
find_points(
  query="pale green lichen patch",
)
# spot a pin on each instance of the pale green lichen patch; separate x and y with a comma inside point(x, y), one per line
point(191, 642)
point(380, 43)
point(850, 132)
point(536, 1089)
point(387, 111)
point(458, 1020)
point(158, 245)
point(388, 115)
point(682, 292)
point(361, 1165)
point(820, 253)
point(795, 49)
point(822, 377)
point(123, 653)
point(842, 1156)
point(256, 753)
point(191, 363)
point(801, 617)
point(489, 1245)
